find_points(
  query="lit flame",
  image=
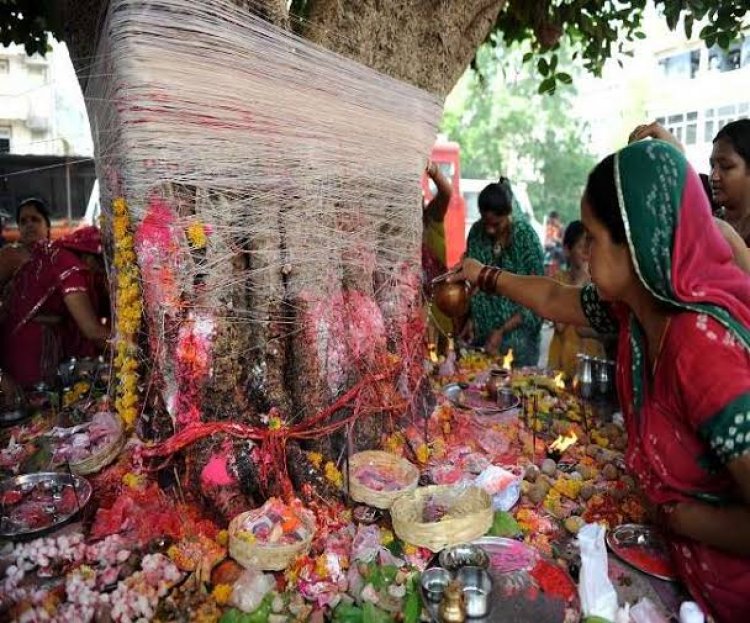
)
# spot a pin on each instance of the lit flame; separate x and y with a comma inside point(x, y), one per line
point(561, 444)
point(559, 383)
point(432, 350)
point(508, 360)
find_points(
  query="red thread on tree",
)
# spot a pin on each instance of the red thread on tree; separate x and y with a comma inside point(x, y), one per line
point(273, 441)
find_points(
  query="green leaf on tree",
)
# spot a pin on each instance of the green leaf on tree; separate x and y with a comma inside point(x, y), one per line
point(548, 85)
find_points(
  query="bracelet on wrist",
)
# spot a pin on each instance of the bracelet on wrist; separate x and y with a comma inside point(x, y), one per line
point(482, 277)
point(488, 279)
point(495, 278)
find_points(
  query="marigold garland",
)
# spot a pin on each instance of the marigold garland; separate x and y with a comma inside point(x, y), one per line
point(333, 475)
point(423, 454)
point(128, 308)
point(196, 234)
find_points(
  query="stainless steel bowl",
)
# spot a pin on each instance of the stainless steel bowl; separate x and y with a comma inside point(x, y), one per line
point(477, 588)
point(49, 481)
point(463, 555)
point(434, 582)
point(507, 400)
point(454, 392)
point(11, 418)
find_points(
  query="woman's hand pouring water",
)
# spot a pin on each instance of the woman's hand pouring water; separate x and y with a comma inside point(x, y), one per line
point(468, 270)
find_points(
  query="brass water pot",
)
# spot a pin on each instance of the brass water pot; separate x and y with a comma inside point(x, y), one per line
point(451, 298)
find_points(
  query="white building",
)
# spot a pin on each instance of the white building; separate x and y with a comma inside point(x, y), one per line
point(691, 90)
point(41, 105)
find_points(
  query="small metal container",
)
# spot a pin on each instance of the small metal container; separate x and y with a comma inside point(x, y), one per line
point(454, 392)
point(497, 379)
point(463, 555)
point(506, 399)
point(585, 373)
point(477, 587)
point(40, 398)
point(434, 582)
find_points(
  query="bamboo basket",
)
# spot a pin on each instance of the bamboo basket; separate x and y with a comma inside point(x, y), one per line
point(468, 518)
point(267, 556)
point(381, 499)
point(95, 462)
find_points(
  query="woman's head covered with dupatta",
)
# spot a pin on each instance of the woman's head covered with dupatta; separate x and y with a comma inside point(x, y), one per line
point(650, 225)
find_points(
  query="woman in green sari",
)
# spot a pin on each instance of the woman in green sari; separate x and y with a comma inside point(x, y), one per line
point(500, 240)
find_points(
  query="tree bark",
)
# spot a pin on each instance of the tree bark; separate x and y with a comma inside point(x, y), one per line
point(424, 42)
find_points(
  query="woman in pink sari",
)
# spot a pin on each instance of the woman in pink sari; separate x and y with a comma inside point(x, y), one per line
point(665, 280)
point(52, 299)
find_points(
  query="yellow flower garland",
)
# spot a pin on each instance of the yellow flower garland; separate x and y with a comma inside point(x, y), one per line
point(128, 308)
point(333, 475)
point(196, 234)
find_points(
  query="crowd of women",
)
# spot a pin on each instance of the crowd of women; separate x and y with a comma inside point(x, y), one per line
point(650, 263)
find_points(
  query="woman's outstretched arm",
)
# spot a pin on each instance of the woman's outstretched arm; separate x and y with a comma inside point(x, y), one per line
point(542, 295)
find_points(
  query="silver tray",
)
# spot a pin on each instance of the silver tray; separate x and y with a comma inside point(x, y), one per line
point(457, 395)
point(638, 536)
point(454, 392)
point(81, 486)
point(11, 418)
point(507, 601)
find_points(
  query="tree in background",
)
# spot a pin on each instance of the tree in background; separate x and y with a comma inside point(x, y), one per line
point(504, 126)
point(425, 43)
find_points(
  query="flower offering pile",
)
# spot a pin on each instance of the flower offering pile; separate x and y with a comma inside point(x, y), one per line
point(73, 445)
point(276, 523)
point(381, 477)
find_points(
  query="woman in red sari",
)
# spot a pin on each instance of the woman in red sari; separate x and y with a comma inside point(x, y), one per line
point(52, 300)
point(665, 279)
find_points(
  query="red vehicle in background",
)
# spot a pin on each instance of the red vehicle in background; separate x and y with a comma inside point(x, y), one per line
point(447, 156)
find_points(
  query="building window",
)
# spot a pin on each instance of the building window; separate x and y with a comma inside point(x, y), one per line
point(683, 65)
point(38, 74)
point(683, 126)
point(708, 127)
point(4, 140)
point(725, 60)
point(691, 128)
point(38, 136)
point(675, 125)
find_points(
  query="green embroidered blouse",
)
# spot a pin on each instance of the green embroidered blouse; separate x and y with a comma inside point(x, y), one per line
point(524, 256)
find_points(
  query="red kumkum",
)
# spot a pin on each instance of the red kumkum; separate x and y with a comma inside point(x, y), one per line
point(553, 580)
point(655, 563)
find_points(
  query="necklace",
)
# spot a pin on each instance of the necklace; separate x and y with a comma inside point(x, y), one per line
point(662, 339)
